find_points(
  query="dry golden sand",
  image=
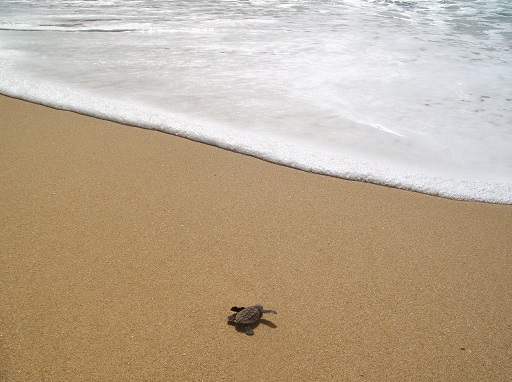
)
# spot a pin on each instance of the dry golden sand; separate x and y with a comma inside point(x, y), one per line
point(122, 250)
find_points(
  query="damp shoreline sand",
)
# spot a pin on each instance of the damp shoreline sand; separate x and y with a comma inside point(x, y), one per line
point(122, 250)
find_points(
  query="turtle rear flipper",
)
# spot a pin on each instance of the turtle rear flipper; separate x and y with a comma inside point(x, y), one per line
point(237, 309)
point(248, 330)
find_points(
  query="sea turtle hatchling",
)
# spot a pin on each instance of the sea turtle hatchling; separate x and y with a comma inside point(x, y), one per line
point(248, 316)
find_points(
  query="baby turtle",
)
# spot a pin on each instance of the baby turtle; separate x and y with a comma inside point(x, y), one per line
point(248, 316)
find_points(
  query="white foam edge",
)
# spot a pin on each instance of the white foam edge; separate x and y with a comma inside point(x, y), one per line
point(265, 147)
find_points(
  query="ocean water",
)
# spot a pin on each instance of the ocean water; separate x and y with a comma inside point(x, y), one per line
point(413, 94)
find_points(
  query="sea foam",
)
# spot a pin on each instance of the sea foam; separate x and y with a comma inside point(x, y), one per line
point(414, 95)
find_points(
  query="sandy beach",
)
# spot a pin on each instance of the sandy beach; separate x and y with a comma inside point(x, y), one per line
point(122, 251)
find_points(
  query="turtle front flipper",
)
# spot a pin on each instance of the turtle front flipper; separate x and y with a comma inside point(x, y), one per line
point(248, 330)
point(268, 311)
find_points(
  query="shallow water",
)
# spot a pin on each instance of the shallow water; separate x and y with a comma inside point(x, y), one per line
point(412, 94)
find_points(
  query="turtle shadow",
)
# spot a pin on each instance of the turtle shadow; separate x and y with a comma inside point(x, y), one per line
point(241, 328)
point(268, 323)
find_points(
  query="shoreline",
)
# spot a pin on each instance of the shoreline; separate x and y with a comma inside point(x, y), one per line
point(122, 250)
point(454, 186)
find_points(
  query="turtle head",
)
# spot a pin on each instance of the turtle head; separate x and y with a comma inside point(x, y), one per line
point(259, 306)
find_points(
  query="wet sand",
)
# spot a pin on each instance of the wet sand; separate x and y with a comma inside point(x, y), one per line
point(123, 249)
